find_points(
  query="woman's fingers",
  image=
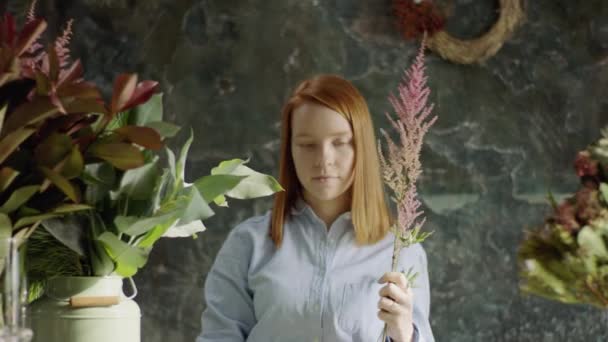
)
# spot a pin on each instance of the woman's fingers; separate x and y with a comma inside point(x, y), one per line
point(396, 293)
point(396, 278)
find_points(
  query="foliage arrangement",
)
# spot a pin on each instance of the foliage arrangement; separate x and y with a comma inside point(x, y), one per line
point(566, 258)
point(92, 173)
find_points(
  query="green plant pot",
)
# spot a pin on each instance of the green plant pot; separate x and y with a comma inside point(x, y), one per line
point(54, 319)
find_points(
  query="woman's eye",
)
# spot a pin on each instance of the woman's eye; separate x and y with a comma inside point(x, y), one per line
point(341, 143)
point(304, 145)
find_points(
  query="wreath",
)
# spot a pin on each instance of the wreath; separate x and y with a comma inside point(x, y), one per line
point(415, 18)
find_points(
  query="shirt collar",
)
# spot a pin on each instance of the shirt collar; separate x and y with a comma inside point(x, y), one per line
point(301, 207)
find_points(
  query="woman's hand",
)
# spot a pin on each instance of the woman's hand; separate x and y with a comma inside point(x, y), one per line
point(396, 303)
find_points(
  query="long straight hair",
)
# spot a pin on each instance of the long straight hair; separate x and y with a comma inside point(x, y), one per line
point(369, 211)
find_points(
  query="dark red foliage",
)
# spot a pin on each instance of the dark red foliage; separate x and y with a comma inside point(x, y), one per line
point(413, 20)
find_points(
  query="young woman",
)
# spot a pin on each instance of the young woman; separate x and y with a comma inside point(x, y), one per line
point(313, 269)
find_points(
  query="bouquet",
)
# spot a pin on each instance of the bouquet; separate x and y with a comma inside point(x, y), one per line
point(566, 258)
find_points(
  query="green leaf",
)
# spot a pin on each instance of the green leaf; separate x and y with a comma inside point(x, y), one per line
point(122, 155)
point(99, 179)
point(74, 164)
point(123, 223)
point(70, 208)
point(165, 129)
point(69, 231)
point(28, 220)
point(2, 114)
point(193, 207)
point(180, 167)
point(254, 185)
point(227, 167)
point(592, 242)
point(12, 140)
point(604, 192)
point(148, 112)
point(101, 262)
point(214, 186)
point(142, 225)
point(185, 230)
point(6, 227)
point(62, 184)
point(160, 189)
point(171, 161)
point(127, 258)
point(153, 235)
point(53, 149)
point(139, 183)
point(7, 176)
point(18, 198)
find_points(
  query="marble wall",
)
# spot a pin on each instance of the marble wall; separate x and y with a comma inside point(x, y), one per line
point(508, 131)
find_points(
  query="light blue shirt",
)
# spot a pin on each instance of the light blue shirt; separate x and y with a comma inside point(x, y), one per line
point(318, 286)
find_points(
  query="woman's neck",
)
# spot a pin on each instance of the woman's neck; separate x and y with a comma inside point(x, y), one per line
point(328, 210)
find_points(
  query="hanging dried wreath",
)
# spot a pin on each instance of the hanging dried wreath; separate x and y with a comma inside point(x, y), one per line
point(415, 17)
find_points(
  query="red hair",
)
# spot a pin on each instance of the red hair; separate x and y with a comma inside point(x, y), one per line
point(369, 212)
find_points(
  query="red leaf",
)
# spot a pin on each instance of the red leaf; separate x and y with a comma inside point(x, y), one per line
point(143, 92)
point(124, 86)
point(143, 136)
point(29, 34)
point(85, 105)
point(8, 30)
point(81, 90)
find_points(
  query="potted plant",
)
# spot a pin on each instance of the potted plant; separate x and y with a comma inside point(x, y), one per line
point(84, 188)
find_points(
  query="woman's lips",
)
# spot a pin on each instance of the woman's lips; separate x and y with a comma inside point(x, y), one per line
point(323, 179)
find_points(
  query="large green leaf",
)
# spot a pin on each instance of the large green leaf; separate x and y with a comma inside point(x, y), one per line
point(227, 167)
point(127, 258)
point(136, 226)
point(148, 112)
point(139, 183)
point(73, 164)
point(122, 155)
point(62, 184)
point(12, 140)
point(69, 231)
point(214, 186)
point(18, 198)
point(192, 206)
point(165, 129)
point(99, 179)
point(255, 184)
point(100, 259)
point(53, 149)
point(185, 230)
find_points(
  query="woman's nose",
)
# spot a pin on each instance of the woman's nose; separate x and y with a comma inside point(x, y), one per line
point(325, 155)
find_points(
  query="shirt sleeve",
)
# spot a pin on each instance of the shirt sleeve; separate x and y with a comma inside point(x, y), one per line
point(229, 314)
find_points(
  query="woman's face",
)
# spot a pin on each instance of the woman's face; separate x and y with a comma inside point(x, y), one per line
point(323, 152)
